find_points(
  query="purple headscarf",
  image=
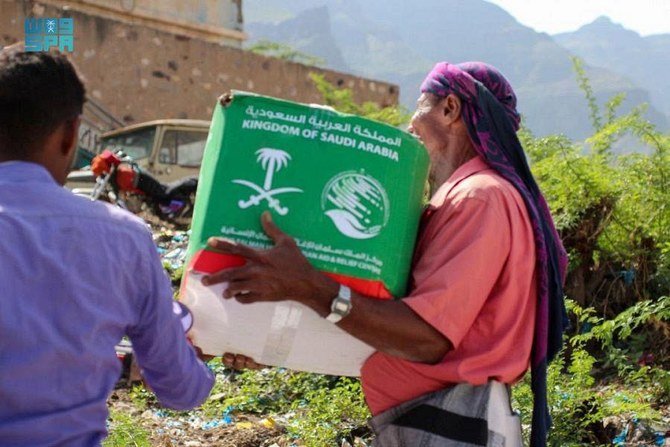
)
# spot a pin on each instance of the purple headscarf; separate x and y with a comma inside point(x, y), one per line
point(489, 111)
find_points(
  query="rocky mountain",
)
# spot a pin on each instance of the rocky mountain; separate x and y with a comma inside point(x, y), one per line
point(310, 32)
point(399, 41)
point(645, 60)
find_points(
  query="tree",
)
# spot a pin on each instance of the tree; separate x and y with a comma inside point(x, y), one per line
point(342, 100)
point(285, 52)
point(612, 210)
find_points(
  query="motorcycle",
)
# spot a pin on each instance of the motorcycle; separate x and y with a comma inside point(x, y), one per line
point(121, 181)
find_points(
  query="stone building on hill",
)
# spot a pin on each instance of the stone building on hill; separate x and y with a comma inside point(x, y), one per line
point(155, 59)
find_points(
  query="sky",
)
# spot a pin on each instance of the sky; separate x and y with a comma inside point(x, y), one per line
point(557, 16)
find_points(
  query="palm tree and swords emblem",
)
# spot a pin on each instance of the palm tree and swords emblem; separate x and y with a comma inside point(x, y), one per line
point(272, 161)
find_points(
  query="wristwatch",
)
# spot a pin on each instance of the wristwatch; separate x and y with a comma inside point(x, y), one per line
point(341, 305)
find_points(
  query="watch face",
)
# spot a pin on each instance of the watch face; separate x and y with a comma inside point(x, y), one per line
point(341, 306)
point(342, 303)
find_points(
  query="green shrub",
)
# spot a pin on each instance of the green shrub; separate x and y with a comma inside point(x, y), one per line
point(327, 415)
point(322, 409)
point(124, 431)
point(579, 403)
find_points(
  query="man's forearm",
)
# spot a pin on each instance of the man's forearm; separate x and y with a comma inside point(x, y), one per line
point(390, 326)
point(283, 272)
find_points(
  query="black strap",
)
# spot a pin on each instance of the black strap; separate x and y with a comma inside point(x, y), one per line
point(446, 424)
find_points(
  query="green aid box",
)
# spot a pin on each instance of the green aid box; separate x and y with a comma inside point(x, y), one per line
point(348, 189)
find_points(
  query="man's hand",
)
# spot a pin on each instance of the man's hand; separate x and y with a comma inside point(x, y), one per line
point(239, 362)
point(233, 361)
point(204, 357)
point(279, 273)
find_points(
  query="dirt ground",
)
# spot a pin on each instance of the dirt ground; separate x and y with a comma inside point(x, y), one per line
point(185, 430)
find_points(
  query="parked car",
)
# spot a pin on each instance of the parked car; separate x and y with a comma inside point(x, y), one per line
point(168, 149)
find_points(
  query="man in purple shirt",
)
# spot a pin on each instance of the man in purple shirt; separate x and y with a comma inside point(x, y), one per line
point(75, 276)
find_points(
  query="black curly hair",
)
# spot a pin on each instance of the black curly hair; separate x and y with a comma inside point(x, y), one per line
point(38, 92)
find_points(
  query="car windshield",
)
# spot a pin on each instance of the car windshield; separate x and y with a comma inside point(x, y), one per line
point(183, 147)
point(136, 144)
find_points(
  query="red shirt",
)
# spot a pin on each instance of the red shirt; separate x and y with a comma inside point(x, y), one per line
point(474, 280)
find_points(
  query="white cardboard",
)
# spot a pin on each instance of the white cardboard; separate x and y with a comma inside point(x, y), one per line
point(285, 333)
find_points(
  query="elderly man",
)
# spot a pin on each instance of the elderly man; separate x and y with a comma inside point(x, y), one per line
point(76, 276)
point(485, 300)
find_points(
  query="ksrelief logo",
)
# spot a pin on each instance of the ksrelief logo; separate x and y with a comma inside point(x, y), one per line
point(357, 204)
point(271, 160)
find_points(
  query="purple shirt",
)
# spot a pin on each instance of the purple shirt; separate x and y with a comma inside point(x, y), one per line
point(75, 276)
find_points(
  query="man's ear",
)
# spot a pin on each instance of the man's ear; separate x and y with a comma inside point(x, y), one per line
point(70, 135)
point(451, 108)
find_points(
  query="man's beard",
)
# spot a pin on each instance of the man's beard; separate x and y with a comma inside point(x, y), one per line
point(434, 179)
point(432, 186)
